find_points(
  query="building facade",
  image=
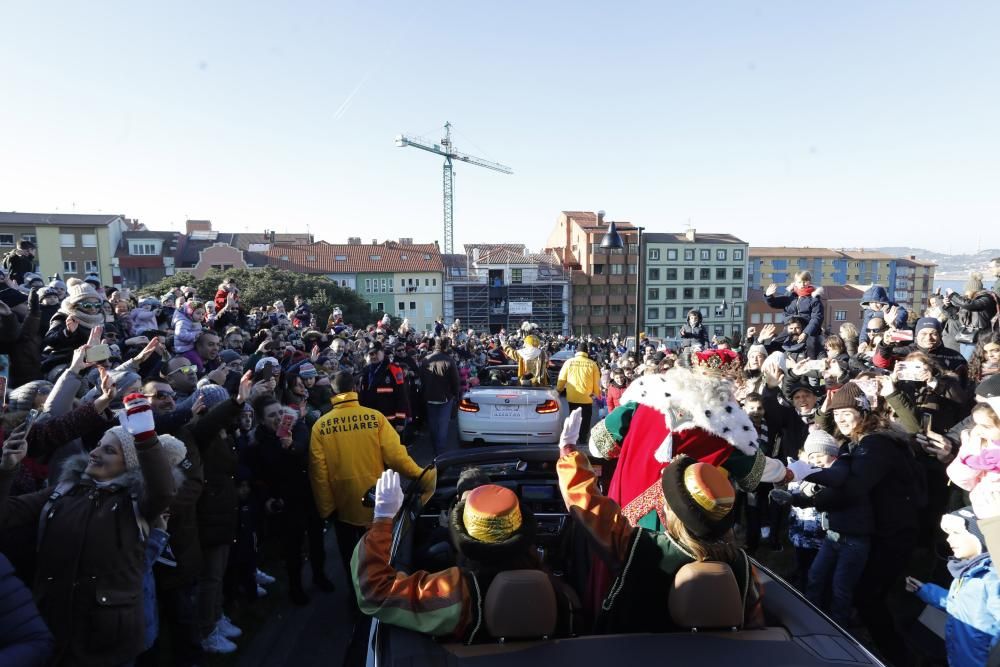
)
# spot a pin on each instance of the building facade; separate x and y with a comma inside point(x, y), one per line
point(694, 271)
point(494, 287)
point(145, 256)
point(68, 245)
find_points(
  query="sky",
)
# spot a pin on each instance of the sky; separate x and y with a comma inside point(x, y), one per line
point(847, 124)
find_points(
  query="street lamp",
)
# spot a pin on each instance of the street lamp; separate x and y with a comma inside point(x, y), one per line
point(613, 241)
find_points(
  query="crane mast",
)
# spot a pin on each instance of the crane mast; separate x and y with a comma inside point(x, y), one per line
point(446, 149)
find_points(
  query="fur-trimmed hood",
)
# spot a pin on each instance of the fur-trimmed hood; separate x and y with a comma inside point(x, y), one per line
point(689, 400)
point(73, 467)
point(817, 290)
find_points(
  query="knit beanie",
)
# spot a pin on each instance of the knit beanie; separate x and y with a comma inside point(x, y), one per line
point(22, 398)
point(700, 495)
point(127, 441)
point(213, 394)
point(849, 396)
point(969, 521)
point(229, 356)
point(174, 449)
point(927, 323)
point(821, 442)
point(264, 361)
point(307, 370)
point(77, 290)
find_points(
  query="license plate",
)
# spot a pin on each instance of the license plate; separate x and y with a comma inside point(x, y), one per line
point(506, 410)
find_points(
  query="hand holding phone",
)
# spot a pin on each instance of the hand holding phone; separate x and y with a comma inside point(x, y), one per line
point(97, 353)
point(913, 584)
point(285, 425)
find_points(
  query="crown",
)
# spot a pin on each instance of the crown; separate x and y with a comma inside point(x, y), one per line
point(724, 363)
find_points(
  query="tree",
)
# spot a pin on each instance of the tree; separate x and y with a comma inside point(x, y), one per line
point(263, 287)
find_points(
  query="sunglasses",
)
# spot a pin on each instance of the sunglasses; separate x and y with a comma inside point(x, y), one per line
point(161, 395)
point(184, 369)
point(89, 305)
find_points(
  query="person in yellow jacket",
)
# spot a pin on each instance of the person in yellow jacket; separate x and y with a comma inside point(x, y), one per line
point(580, 377)
point(349, 449)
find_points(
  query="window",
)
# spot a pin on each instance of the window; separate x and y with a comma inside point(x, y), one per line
point(719, 330)
point(737, 274)
point(737, 311)
point(632, 269)
point(597, 310)
point(616, 290)
point(402, 282)
point(738, 254)
point(427, 258)
point(671, 274)
point(754, 318)
point(67, 241)
point(284, 258)
point(427, 282)
point(69, 267)
point(720, 255)
point(310, 258)
point(688, 293)
point(654, 331)
point(704, 274)
point(29, 237)
point(91, 266)
point(579, 309)
point(670, 332)
point(671, 293)
point(767, 318)
point(840, 315)
point(598, 269)
point(380, 306)
point(737, 292)
point(403, 257)
point(434, 282)
point(340, 258)
point(705, 255)
point(6, 239)
point(720, 274)
point(616, 269)
point(688, 274)
point(654, 274)
point(653, 293)
point(670, 313)
point(375, 258)
point(720, 292)
point(704, 292)
point(672, 255)
point(413, 305)
point(689, 255)
point(654, 254)
point(402, 306)
point(652, 313)
point(617, 309)
point(88, 240)
point(368, 284)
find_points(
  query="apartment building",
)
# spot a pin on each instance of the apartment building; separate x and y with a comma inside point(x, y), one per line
point(602, 282)
point(401, 278)
point(69, 245)
point(499, 286)
point(694, 271)
point(908, 281)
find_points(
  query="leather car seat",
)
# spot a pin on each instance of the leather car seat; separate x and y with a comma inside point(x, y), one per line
point(705, 596)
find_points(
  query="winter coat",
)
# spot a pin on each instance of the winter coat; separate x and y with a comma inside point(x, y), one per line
point(285, 472)
point(91, 556)
point(185, 332)
point(218, 500)
point(886, 355)
point(973, 606)
point(17, 265)
point(694, 334)
point(183, 524)
point(530, 360)
point(439, 377)
point(975, 312)
point(26, 362)
point(614, 395)
point(58, 339)
point(809, 308)
point(581, 378)
point(877, 294)
point(25, 640)
point(143, 320)
point(383, 387)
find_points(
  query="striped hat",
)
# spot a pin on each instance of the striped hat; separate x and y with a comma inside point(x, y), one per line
point(492, 513)
point(700, 495)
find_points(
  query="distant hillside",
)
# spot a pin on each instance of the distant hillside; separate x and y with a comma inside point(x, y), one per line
point(955, 266)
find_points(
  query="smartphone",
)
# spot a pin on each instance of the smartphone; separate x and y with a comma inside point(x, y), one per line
point(99, 352)
point(900, 335)
point(925, 422)
point(285, 426)
point(30, 421)
point(3, 391)
point(909, 372)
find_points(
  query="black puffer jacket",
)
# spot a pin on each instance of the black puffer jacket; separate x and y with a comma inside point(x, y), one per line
point(976, 312)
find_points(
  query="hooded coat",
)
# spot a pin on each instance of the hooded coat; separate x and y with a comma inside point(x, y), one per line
point(877, 294)
point(91, 557)
point(806, 305)
point(694, 334)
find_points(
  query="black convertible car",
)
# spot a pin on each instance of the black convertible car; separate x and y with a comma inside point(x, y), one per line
point(797, 633)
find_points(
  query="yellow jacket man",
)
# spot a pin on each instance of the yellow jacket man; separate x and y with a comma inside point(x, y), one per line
point(581, 379)
point(350, 448)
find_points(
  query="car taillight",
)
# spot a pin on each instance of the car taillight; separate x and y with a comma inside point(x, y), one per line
point(548, 407)
point(468, 406)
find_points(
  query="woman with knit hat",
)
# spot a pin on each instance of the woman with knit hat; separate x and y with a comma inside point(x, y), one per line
point(872, 495)
point(80, 311)
point(89, 534)
point(697, 499)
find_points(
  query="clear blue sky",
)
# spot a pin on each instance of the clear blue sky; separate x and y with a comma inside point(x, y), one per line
point(837, 123)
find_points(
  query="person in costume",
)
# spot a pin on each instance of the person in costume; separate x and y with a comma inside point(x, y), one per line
point(683, 411)
point(697, 499)
point(531, 359)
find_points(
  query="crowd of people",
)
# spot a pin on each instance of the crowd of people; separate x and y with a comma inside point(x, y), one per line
point(149, 439)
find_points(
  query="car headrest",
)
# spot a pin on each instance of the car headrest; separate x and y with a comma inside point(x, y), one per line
point(706, 596)
point(520, 604)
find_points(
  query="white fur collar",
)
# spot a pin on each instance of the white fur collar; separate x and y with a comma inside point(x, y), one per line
point(690, 400)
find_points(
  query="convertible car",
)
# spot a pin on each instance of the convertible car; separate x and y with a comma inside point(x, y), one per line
point(797, 633)
point(502, 411)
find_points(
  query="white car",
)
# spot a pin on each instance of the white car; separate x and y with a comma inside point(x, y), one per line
point(502, 411)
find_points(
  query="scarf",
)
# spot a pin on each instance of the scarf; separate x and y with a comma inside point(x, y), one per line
point(86, 319)
point(804, 290)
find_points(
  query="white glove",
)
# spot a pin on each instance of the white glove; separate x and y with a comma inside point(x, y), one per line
point(801, 469)
point(388, 495)
point(571, 428)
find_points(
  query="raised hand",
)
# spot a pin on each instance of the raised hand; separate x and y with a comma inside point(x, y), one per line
point(388, 495)
point(771, 289)
point(571, 431)
point(246, 388)
point(108, 391)
point(15, 448)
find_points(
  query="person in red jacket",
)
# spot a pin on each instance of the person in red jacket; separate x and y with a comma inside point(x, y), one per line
point(616, 387)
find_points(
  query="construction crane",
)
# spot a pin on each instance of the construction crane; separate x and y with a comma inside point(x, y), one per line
point(446, 149)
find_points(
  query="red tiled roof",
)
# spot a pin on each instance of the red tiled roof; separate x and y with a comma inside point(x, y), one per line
point(392, 258)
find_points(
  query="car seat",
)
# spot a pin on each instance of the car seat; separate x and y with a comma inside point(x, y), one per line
point(705, 596)
point(520, 604)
